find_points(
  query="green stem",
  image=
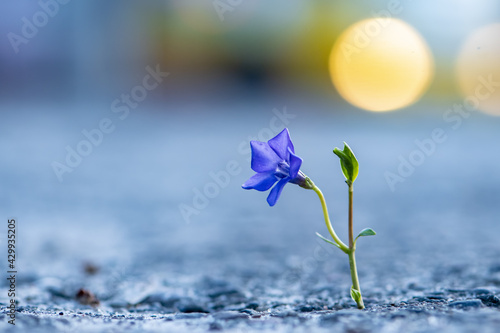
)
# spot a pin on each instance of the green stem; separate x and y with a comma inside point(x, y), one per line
point(352, 245)
point(355, 281)
point(352, 249)
point(351, 233)
point(337, 240)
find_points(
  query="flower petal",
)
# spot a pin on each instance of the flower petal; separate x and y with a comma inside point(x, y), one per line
point(260, 181)
point(295, 163)
point(263, 157)
point(276, 191)
point(281, 143)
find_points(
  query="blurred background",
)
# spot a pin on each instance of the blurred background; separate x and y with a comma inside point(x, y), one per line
point(125, 127)
point(79, 53)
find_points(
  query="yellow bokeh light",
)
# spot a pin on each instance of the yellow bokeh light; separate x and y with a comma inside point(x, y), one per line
point(478, 69)
point(381, 64)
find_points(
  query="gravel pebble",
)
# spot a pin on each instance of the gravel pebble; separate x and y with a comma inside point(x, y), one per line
point(230, 315)
point(466, 305)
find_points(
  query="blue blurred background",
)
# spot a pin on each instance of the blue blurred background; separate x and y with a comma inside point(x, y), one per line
point(105, 155)
point(88, 52)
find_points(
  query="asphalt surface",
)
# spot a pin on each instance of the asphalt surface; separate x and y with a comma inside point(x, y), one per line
point(113, 232)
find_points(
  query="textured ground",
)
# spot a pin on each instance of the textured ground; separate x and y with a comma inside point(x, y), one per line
point(113, 226)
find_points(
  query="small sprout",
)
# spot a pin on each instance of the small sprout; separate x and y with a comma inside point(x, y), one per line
point(355, 295)
point(348, 163)
point(276, 163)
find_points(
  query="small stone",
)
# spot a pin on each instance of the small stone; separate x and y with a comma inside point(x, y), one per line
point(481, 291)
point(250, 312)
point(419, 298)
point(228, 292)
point(466, 305)
point(284, 314)
point(190, 315)
point(85, 297)
point(230, 315)
point(437, 297)
point(61, 313)
point(190, 308)
point(429, 299)
point(252, 306)
point(490, 300)
point(215, 327)
point(309, 307)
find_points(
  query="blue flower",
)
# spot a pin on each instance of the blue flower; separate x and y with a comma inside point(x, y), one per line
point(275, 161)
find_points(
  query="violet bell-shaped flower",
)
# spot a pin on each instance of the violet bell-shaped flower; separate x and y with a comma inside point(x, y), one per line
point(275, 161)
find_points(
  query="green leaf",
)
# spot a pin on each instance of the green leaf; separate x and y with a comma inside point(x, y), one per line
point(327, 240)
point(348, 163)
point(366, 232)
point(355, 294)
